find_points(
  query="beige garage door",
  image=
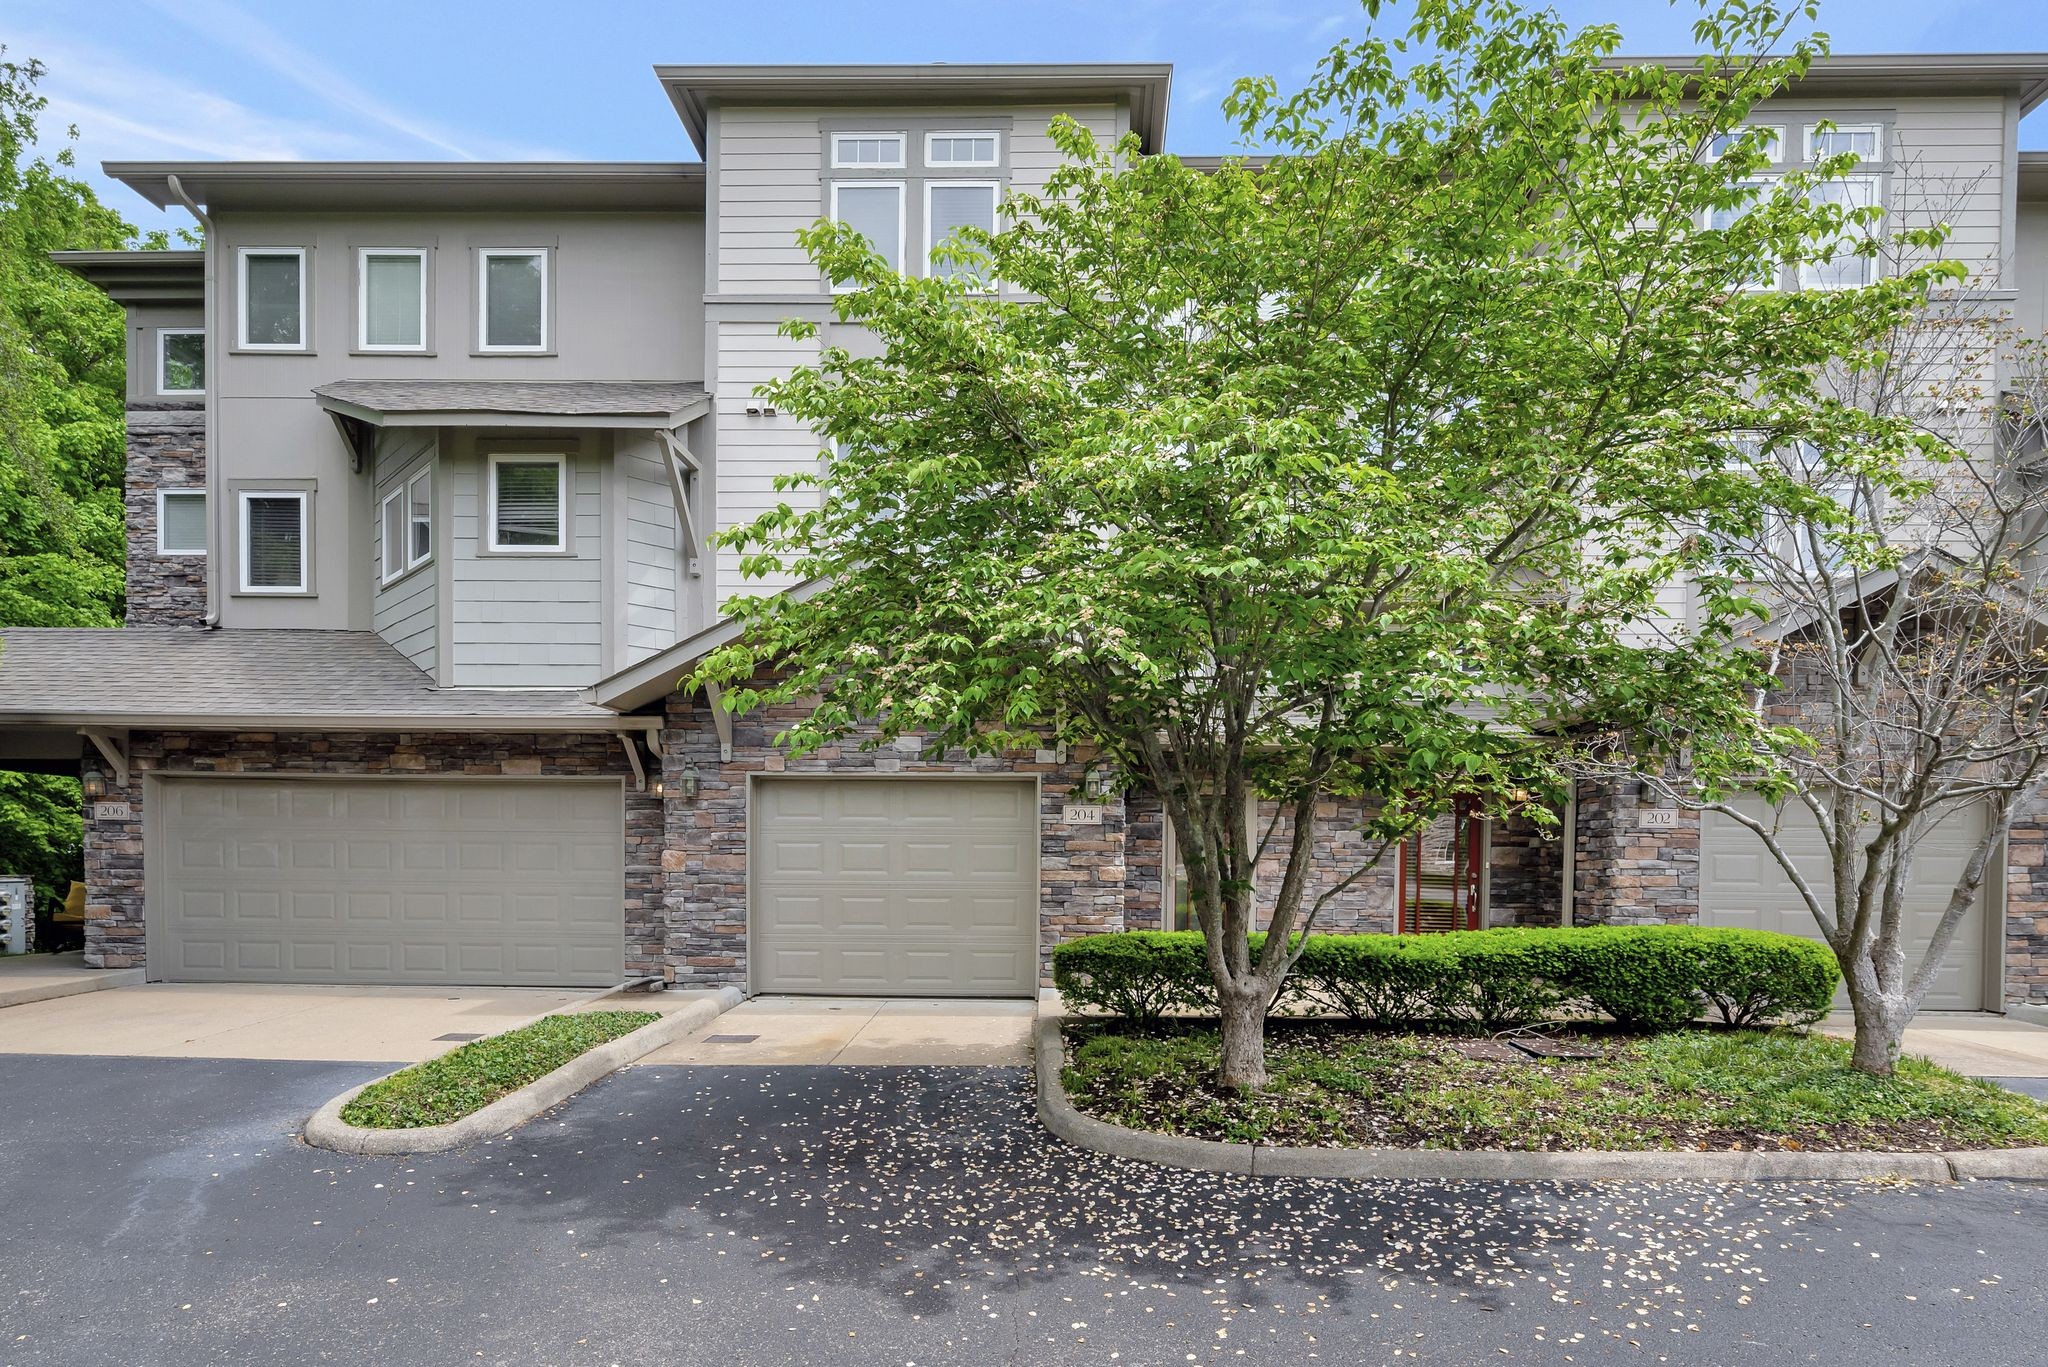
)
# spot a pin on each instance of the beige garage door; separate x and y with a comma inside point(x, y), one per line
point(895, 887)
point(424, 881)
point(1741, 885)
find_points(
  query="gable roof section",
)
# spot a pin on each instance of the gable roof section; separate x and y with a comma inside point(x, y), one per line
point(1143, 86)
point(373, 185)
point(460, 403)
point(268, 679)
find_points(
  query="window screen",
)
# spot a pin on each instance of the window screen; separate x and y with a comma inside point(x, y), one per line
point(394, 284)
point(181, 523)
point(184, 363)
point(515, 293)
point(876, 213)
point(274, 556)
point(270, 306)
point(954, 207)
point(527, 504)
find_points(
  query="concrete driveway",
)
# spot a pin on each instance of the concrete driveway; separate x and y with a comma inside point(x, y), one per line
point(800, 1031)
point(247, 1021)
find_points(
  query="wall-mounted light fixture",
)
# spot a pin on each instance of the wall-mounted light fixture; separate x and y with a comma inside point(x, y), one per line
point(687, 786)
point(93, 785)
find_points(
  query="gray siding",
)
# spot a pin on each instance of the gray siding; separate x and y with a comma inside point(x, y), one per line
point(2030, 304)
point(526, 620)
point(406, 611)
point(653, 543)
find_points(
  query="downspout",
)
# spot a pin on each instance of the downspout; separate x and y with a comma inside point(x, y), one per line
point(1570, 856)
point(214, 538)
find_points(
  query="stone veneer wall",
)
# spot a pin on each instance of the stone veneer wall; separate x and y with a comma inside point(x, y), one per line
point(113, 849)
point(1525, 874)
point(1627, 874)
point(1081, 868)
point(2026, 905)
point(166, 450)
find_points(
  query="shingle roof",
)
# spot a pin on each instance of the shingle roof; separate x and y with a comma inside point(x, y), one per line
point(591, 398)
point(178, 676)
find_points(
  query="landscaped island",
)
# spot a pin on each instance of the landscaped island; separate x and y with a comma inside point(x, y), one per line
point(465, 1080)
point(1583, 1039)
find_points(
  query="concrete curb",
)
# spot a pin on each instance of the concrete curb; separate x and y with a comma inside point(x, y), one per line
point(101, 980)
point(325, 1129)
point(1058, 1114)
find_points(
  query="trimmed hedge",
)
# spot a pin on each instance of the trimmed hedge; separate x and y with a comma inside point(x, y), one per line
point(1645, 977)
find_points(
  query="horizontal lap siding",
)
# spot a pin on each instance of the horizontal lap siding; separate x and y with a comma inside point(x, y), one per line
point(752, 451)
point(1948, 159)
point(653, 541)
point(528, 620)
point(407, 612)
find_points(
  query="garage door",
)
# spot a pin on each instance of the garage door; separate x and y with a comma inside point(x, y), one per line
point(1741, 885)
point(387, 881)
point(911, 887)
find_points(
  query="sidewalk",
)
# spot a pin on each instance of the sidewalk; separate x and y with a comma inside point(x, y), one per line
point(40, 977)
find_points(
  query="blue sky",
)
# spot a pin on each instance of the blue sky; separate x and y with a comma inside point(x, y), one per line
point(517, 79)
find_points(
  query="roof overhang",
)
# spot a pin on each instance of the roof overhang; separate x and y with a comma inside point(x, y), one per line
point(384, 404)
point(371, 186)
point(141, 277)
point(73, 722)
point(662, 673)
point(1882, 75)
point(1142, 86)
point(2034, 175)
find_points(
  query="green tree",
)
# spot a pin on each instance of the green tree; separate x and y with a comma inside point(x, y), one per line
point(62, 443)
point(1352, 475)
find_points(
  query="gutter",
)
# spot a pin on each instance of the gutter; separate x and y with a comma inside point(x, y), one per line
point(371, 722)
point(214, 540)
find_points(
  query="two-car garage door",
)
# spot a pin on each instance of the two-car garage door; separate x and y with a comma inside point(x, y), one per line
point(404, 881)
point(894, 886)
point(1741, 885)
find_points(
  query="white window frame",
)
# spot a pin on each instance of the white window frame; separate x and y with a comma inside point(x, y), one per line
point(242, 255)
point(1765, 183)
point(902, 189)
point(1776, 130)
point(901, 163)
point(242, 499)
point(419, 254)
point(995, 155)
point(1876, 130)
point(1872, 266)
point(425, 478)
point(161, 355)
point(163, 496)
point(563, 514)
point(995, 189)
point(391, 568)
point(483, 301)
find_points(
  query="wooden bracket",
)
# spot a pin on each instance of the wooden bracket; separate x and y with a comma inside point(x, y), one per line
point(113, 747)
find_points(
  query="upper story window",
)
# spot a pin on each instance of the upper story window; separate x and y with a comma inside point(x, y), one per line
point(871, 151)
point(962, 149)
point(528, 499)
point(272, 286)
point(1865, 140)
point(1853, 263)
point(391, 299)
point(1753, 190)
point(180, 361)
point(950, 205)
point(407, 525)
point(874, 209)
point(1770, 141)
point(181, 522)
point(512, 299)
point(274, 541)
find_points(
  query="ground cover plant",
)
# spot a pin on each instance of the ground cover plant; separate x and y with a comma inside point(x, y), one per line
point(1333, 1083)
point(470, 1078)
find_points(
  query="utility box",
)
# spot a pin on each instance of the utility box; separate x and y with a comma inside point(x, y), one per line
point(17, 915)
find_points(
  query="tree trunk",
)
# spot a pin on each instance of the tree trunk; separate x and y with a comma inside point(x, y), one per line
point(1244, 1035)
point(1877, 1043)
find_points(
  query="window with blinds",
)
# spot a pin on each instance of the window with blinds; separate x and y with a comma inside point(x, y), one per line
point(391, 303)
point(274, 542)
point(180, 522)
point(526, 503)
point(874, 209)
point(274, 298)
point(949, 206)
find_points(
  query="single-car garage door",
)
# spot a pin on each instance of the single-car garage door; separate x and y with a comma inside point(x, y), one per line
point(894, 886)
point(410, 881)
point(1742, 885)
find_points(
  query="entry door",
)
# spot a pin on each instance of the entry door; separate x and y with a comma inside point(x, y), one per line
point(894, 887)
point(1440, 874)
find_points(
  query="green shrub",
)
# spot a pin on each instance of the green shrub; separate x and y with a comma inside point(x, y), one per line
point(1645, 977)
point(468, 1079)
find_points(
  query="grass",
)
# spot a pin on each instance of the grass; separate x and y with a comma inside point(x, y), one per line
point(470, 1078)
point(1690, 1089)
